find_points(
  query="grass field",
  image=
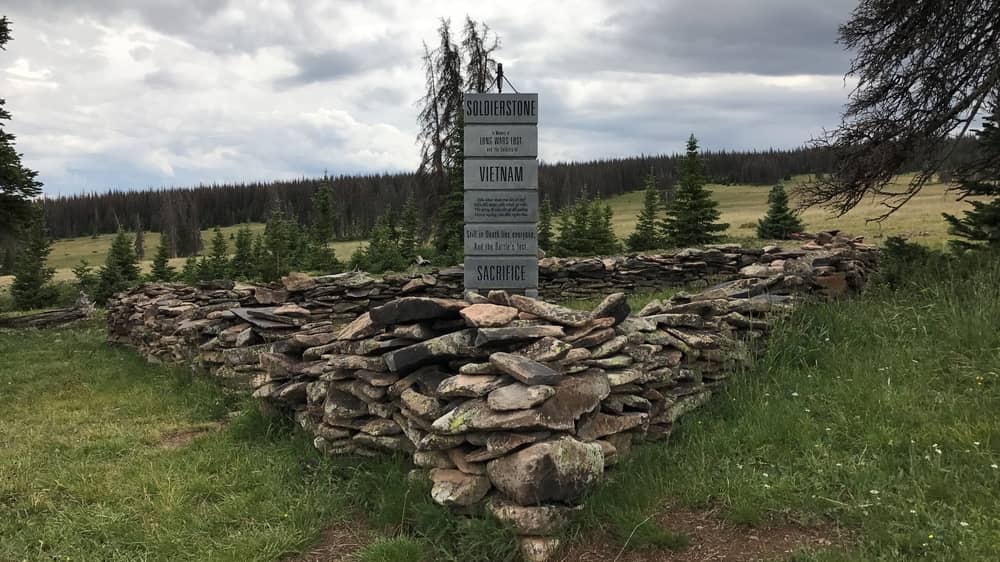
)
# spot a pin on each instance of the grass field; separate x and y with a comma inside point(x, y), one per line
point(741, 205)
point(68, 252)
point(872, 420)
point(105, 458)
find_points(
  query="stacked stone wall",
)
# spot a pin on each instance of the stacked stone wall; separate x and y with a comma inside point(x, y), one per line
point(504, 399)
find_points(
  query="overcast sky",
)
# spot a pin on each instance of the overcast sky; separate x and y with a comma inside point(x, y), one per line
point(148, 93)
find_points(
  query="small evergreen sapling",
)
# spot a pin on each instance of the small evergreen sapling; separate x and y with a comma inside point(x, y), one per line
point(86, 279)
point(980, 226)
point(409, 227)
point(162, 270)
point(780, 221)
point(646, 236)
point(242, 264)
point(120, 270)
point(545, 225)
point(31, 287)
point(217, 266)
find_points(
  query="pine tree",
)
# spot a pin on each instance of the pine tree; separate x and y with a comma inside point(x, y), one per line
point(242, 264)
point(120, 270)
point(409, 227)
point(6, 260)
point(980, 226)
point(780, 221)
point(280, 248)
point(17, 184)
point(450, 227)
point(602, 230)
point(31, 287)
point(324, 212)
point(545, 225)
point(86, 279)
point(691, 213)
point(189, 274)
point(322, 258)
point(586, 229)
point(218, 259)
point(382, 252)
point(140, 240)
point(162, 270)
point(259, 255)
point(646, 236)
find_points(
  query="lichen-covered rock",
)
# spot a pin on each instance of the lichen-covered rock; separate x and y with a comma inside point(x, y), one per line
point(557, 470)
point(531, 520)
point(454, 487)
point(519, 396)
point(471, 386)
point(455, 344)
point(551, 312)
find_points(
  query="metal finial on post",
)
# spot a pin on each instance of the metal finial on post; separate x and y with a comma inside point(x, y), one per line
point(499, 77)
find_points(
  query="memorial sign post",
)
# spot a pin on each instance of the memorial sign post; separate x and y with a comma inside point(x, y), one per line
point(501, 192)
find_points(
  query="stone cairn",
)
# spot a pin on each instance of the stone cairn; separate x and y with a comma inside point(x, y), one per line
point(503, 399)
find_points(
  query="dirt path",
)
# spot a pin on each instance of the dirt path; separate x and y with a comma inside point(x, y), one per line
point(714, 539)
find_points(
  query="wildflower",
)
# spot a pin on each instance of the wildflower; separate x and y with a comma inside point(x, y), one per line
point(795, 394)
point(765, 474)
point(873, 492)
point(767, 485)
point(963, 523)
point(931, 536)
point(976, 443)
point(913, 511)
point(994, 466)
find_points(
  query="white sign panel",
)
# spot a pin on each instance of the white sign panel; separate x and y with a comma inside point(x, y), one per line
point(501, 240)
point(508, 272)
point(500, 108)
point(513, 173)
point(493, 205)
point(501, 141)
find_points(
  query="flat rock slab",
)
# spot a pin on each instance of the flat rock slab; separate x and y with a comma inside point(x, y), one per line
point(600, 425)
point(546, 349)
point(455, 344)
point(414, 309)
point(551, 312)
point(361, 327)
point(486, 336)
point(471, 386)
point(488, 315)
point(524, 369)
point(518, 396)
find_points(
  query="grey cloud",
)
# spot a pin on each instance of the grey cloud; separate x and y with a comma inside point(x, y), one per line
point(334, 64)
point(140, 53)
point(161, 78)
point(772, 37)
